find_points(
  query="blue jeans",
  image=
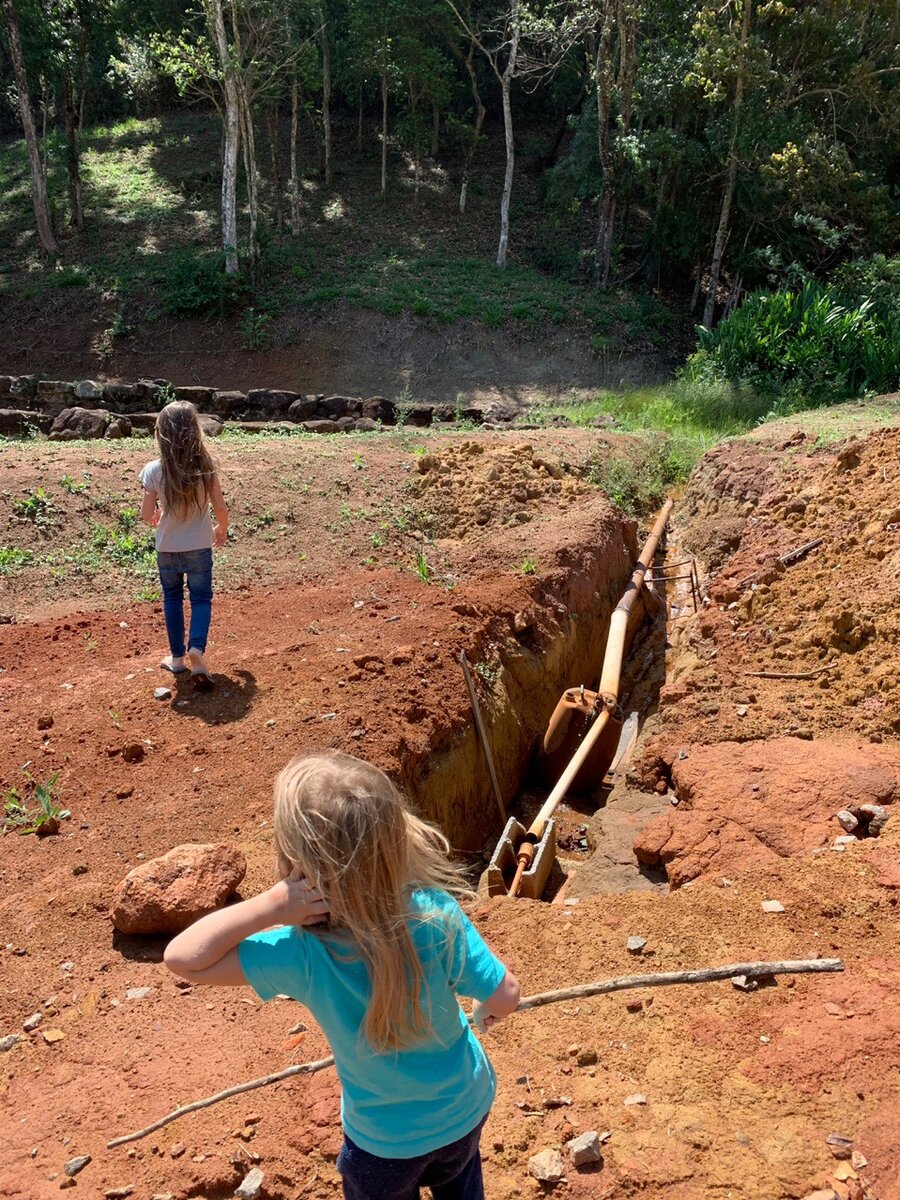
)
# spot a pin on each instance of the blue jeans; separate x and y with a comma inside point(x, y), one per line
point(452, 1173)
point(196, 565)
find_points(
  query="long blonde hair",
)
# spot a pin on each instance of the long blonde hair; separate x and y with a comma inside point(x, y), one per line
point(346, 827)
point(188, 470)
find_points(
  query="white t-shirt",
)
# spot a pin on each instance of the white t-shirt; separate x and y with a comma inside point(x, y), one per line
point(174, 536)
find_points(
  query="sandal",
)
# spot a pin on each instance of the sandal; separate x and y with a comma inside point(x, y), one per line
point(199, 675)
point(166, 665)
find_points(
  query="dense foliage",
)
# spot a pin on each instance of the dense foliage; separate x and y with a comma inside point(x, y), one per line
point(687, 149)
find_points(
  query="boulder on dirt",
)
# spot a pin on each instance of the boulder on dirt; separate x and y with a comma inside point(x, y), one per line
point(199, 396)
point(211, 426)
point(419, 415)
point(341, 406)
point(365, 425)
point(346, 424)
point(73, 423)
point(270, 402)
point(444, 413)
point(501, 412)
point(747, 805)
point(584, 1149)
point(54, 395)
point(251, 1185)
point(303, 408)
point(168, 893)
point(14, 422)
point(548, 1166)
point(379, 408)
point(130, 397)
point(118, 427)
point(23, 387)
point(226, 404)
point(5, 384)
point(89, 393)
point(319, 427)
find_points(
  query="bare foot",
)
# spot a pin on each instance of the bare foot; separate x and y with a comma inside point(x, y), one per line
point(173, 663)
point(199, 672)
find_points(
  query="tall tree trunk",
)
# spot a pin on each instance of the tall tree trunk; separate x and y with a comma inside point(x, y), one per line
point(248, 141)
point(272, 131)
point(295, 166)
point(606, 213)
point(715, 266)
point(435, 129)
point(215, 18)
point(326, 96)
point(39, 198)
point(479, 121)
point(384, 131)
point(76, 213)
point(416, 152)
point(359, 128)
point(505, 84)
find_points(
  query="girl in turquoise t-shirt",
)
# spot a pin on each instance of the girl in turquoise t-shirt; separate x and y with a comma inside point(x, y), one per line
point(369, 937)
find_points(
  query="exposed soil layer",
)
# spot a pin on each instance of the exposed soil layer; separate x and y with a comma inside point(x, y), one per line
point(741, 1089)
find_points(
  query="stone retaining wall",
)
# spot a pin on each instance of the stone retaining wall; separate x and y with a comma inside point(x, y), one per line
point(85, 409)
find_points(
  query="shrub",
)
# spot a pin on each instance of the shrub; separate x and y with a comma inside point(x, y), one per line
point(195, 285)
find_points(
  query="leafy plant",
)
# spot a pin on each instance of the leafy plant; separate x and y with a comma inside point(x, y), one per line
point(14, 558)
point(423, 570)
point(528, 566)
point(73, 487)
point(36, 506)
point(39, 812)
point(256, 330)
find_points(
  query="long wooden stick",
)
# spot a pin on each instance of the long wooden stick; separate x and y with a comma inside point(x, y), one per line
point(482, 733)
point(789, 674)
point(624, 982)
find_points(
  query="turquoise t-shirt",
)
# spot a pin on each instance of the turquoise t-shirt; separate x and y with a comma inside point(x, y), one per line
point(410, 1102)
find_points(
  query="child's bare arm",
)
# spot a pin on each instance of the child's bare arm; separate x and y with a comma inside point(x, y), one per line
point(149, 511)
point(499, 1004)
point(220, 512)
point(206, 952)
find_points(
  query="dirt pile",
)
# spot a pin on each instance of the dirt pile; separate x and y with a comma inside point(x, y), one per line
point(472, 486)
point(742, 806)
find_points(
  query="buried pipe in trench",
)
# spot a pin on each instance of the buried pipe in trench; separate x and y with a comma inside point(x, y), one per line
point(604, 700)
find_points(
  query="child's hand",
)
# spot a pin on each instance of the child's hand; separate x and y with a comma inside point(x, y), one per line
point(483, 1019)
point(297, 902)
point(156, 518)
point(220, 535)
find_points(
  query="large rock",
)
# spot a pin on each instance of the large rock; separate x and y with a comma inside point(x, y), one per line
point(89, 393)
point(335, 407)
point(320, 427)
point(210, 425)
point(270, 402)
point(118, 427)
point(226, 404)
point(14, 422)
point(419, 415)
point(74, 423)
point(168, 893)
point(6, 382)
point(379, 408)
point(304, 408)
point(130, 397)
point(54, 395)
point(199, 396)
point(23, 387)
point(548, 1166)
point(744, 806)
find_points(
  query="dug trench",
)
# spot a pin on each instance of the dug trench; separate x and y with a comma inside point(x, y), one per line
point(718, 1092)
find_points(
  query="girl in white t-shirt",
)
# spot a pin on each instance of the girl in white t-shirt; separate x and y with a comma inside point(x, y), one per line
point(179, 488)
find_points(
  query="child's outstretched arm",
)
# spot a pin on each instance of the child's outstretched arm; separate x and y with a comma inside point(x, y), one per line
point(499, 1004)
point(206, 952)
point(220, 512)
point(149, 511)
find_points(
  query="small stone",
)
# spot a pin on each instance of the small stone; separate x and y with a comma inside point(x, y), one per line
point(822, 1194)
point(840, 1146)
point(67, 967)
point(11, 1039)
point(32, 1022)
point(635, 945)
point(843, 1172)
point(119, 1193)
point(586, 1057)
point(139, 993)
point(177, 1150)
point(584, 1149)
point(858, 1160)
point(634, 1006)
point(66, 1183)
point(548, 1166)
point(79, 869)
point(846, 839)
point(497, 1144)
point(123, 793)
point(162, 693)
point(134, 752)
point(744, 983)
point(635, 1098)
point(45, 722)
point(847, 820)
point(772, 906)
point(572, 1051)
point(53, 1035)
point(251, 1185)
point(74, 1165)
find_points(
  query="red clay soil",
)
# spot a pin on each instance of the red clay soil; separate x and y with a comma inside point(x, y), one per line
point(741, 1089)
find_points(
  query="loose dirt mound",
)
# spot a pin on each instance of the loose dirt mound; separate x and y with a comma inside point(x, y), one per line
point(473, 486)
point(743, 806)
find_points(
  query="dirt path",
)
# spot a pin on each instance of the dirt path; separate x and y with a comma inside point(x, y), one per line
point(741, 1089)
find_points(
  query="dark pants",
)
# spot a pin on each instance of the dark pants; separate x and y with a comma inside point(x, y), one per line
point(196, 567)
point(452, 1173)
